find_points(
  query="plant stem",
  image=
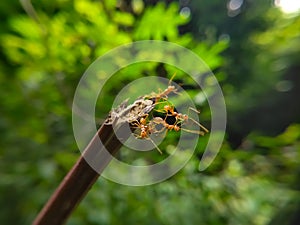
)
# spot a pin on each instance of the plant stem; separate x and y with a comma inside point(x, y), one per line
point(80, 178)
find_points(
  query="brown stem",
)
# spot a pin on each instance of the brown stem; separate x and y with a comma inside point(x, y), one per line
point(80, 178)
point(93, 161)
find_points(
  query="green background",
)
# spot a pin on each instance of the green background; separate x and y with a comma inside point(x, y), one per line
point(254, 52)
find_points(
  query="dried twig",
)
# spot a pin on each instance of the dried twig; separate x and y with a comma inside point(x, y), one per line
point(83, 174)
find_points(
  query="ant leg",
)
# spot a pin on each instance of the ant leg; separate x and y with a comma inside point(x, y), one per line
point(193, 131)
point(135, 124)
point(198, 112)
point(155, 145)
point(199, 124)
point(193, 109)
point(158, 121)
point(169, 84)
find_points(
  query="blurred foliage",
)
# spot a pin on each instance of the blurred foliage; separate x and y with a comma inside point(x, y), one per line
point(254, 52)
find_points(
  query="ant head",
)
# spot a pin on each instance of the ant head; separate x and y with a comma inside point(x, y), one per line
point(171, 88)
point(183, 116)
point(143, 121)
point(168, 108)
point(176, 128)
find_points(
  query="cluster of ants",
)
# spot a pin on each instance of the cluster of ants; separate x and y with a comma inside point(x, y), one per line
point(165, 118)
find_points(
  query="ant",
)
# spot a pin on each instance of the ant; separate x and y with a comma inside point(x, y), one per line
point(164, 94)
point(145, 130)
point(166, 125)
point(179, 119)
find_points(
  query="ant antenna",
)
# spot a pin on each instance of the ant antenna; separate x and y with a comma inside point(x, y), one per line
point(149, 138)
point(199, 124)
point(169, 84)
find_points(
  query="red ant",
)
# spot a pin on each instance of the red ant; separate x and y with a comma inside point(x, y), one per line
point(146, 130)
point(164, 94)
point(179, 119)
